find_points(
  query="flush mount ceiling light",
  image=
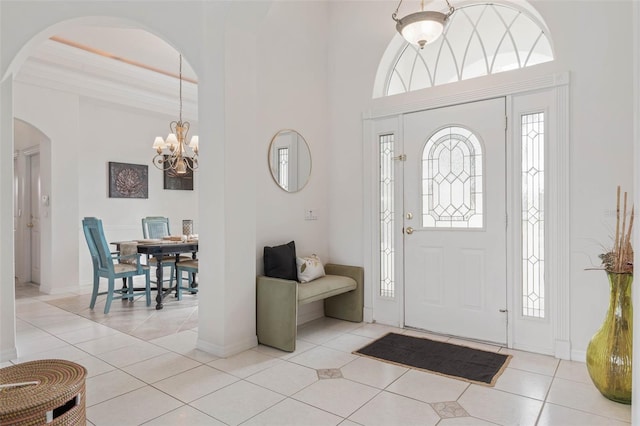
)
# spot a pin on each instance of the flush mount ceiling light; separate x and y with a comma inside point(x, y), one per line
point(424, 27)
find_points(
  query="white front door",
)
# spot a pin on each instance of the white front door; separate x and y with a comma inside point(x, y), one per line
point(455, 220)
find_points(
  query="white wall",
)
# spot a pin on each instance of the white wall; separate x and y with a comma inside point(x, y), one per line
point(600, 63)
point(292, 93)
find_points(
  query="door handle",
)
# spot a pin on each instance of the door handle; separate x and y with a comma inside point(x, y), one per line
point(408, 230)
point(29, 225)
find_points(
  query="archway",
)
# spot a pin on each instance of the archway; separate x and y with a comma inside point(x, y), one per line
point(60, 118)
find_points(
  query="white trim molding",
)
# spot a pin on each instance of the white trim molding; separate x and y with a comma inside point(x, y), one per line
point(77, 71)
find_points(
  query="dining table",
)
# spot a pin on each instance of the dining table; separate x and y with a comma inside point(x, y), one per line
point(160, 250)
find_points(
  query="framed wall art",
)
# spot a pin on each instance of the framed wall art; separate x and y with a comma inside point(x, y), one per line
point(128, 180)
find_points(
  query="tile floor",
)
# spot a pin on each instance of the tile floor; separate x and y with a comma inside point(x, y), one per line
point(143, 368)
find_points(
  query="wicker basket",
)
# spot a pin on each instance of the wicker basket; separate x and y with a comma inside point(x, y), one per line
point(58, 397)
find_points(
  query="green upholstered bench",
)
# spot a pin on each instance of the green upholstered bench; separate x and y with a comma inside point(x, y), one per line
point(342, 289)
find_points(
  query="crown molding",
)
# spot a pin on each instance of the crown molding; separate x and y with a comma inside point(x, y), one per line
point(57, 66)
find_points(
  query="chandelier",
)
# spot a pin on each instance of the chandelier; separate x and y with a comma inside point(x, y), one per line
point(424, 27)
point(177, 154)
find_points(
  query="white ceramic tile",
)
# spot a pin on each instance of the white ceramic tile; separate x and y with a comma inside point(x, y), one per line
point(94, 365)
point(293, 413)
point(348, 342)
point(428, 387)
point(585, 397)
point(371, 372)
point(184, 343)
point(318, 336)
point(301, 346)
point(375, 331)
point(476, 345)
point(133, 408)
point(338, 396)
point(184, 415)
point(132, 354)
point(237, 402)
point(195, 383)
point(573, 370)
point(322, 357)
point(161, 367)
point(67, 325)
point(84, 334)
point(535, 363)
point(286, 378)
point(500, 407)
point(109, 385)
point(107, 343)
point(245, 363)
point(39, 344)
point(466, 421)
point(347, 422)
point(524, 383)
point(68, 352)
point(553, 415)
point(387, 409)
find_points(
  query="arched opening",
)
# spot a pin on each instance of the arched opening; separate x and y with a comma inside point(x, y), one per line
point(94, 108)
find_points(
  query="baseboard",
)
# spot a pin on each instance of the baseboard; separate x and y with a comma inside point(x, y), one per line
point(9, 354)
point(563, 349)
point(227, 350)
point(580, 356)
point(368, 314)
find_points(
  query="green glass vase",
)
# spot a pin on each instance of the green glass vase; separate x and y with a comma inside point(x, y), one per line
point(609, 354)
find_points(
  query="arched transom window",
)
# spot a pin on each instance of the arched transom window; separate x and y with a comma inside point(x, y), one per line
point(452, 180)
point(480, 39)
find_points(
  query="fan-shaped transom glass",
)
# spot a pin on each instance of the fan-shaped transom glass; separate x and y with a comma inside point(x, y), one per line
point(452, 180)
point(480, 39)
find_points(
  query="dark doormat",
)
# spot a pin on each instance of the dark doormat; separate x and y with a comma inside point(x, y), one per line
point(458, 362)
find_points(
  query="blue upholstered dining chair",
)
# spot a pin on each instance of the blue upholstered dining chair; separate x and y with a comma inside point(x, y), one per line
point(189, 266)
point(112, 266)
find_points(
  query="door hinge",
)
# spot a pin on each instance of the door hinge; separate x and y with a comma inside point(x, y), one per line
point(401, 157)
point(506, 122)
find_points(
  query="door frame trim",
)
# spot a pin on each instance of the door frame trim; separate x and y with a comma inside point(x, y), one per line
point(558, 209)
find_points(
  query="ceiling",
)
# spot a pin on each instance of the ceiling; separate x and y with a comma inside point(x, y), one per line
point(130, 44)
point(125, 66)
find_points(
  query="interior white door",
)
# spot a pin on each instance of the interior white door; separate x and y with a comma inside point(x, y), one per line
point(455, 220)
point(34, 215)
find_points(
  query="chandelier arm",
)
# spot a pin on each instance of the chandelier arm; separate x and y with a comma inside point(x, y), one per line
point(394, 15)
point(451, 9)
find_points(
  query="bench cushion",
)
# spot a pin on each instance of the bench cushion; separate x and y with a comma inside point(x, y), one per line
point(327, 286)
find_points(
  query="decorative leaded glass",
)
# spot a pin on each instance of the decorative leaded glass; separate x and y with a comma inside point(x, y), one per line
point(480, 39)
point(283, 168)
point(452, 180)
point(387, 252)
point(533, 281)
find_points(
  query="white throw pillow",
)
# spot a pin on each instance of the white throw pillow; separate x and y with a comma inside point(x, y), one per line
point(309, 268)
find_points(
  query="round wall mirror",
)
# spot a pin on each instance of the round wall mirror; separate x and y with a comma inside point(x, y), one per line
point(289, 160)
